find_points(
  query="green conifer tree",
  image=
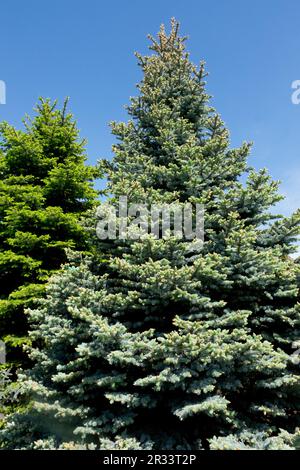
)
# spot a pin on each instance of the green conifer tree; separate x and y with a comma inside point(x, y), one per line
point(172, 347)
point(45, 187)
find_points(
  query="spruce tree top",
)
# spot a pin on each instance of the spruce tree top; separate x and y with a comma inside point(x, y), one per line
point(175, 147)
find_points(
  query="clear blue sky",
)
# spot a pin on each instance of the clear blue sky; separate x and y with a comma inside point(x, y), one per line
point(84, 49)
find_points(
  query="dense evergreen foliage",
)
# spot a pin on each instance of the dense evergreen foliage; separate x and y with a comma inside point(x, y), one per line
point(156, 344)
point(45, 187)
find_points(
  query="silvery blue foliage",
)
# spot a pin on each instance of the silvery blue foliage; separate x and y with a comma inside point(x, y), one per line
point(151, 344)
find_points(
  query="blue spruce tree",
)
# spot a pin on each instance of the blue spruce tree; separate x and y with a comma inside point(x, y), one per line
point(155, 343)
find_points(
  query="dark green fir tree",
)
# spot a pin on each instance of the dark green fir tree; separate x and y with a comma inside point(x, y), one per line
point(45, 187)
point(172, 346)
